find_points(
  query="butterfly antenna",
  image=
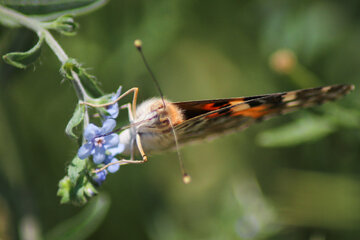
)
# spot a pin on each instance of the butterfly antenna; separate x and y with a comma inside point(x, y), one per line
point(186, 176)
point(138, 45)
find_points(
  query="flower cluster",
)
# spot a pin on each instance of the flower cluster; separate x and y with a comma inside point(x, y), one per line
point(102, 143)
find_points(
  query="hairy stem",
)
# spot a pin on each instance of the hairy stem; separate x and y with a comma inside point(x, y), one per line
point(41, 31)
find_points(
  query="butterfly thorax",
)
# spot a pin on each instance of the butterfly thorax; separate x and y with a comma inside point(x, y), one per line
point(153, 123)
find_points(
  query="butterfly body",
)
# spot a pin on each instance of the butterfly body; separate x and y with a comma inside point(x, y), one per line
point(157, 120)
point(154, 124)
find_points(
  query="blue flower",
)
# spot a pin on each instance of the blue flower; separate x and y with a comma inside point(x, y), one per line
point(113, 168)
point(99, 141)
point(100, 177)
point(113, 110)
point(110, 158)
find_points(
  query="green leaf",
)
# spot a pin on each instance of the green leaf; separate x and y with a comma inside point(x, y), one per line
point(343, 117)
point(64, 189)
point(75, 120)
point(303, 130)
point(51, 9)
point(90, 84)
point(88, 81)
point(84, 224)
point(23, 59)
point(78, 195)
point(77, 187)
point(77, 170)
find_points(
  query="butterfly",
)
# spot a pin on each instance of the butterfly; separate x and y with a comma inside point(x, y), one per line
point(159, 124)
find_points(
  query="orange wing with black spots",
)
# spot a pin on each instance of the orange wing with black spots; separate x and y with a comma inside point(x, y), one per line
point(213, 117)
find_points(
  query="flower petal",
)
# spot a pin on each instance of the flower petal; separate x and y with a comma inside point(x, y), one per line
point(100, 177)
point(115, 167)
point(99, 155)
point(119, 148)
point(108, 126)
point(117, 94)
point(111, 140)
point(85, 150)
point(91, 131)
point(113, 111)
point(107, 159)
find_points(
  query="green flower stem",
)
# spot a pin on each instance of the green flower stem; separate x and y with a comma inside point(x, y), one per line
point(41, 31)
point(55, 47)
point(79, 89)
point(37, 27)
point(86, 121)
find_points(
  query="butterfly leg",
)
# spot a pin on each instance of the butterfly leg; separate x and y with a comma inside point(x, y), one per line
point(120, 162)
point(132, 116)
point(138, 139)
point(125, 161)
point(131, 119)
point(135, 90)
point(131, 111)
point(140, 148)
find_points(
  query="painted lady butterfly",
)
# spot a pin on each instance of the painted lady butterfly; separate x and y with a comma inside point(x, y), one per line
point(196, 120)
point(158, 124)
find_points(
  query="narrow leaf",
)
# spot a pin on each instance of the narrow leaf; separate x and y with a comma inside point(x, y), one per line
point(84, 224)
point(87, 80)
point(51, 9)
point(343, 117)
point(23, 59)
point(75, 120)
point(300, 131)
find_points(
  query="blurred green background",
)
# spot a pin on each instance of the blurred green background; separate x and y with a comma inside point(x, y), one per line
point(198, 50)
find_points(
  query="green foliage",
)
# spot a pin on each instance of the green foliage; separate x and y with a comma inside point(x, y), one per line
point(65, 189)
point(316, 191)
point(82, 225)
point(343, 117)
point(72, 66)
point(24, 59)
point(310, 127)
point(52, 9)
point(76, 187)
point(305, 129)
point(75, 120)
point(64, 24)
point(197, 51)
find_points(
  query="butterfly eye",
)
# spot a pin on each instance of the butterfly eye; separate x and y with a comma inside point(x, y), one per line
point(153, 115)
point(165, 121)
point(160, 108)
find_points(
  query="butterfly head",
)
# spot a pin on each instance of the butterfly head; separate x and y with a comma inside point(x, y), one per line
point(153, 123)
point(157, 116)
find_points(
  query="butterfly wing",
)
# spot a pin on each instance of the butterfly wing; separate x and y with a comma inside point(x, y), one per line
point(209, 118)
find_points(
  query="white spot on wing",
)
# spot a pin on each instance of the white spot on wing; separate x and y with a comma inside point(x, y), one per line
point(289, 97)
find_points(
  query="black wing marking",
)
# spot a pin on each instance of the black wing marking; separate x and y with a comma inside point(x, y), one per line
point(238, 113)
